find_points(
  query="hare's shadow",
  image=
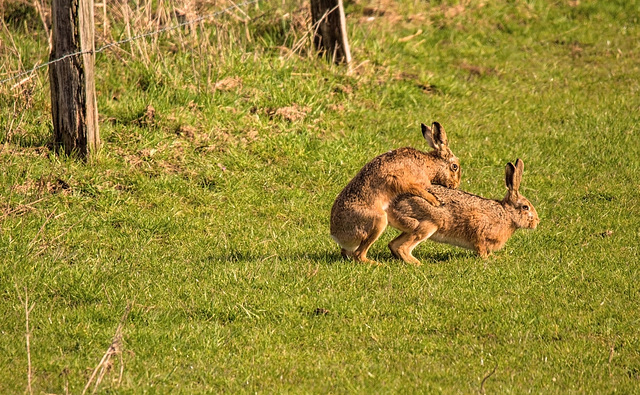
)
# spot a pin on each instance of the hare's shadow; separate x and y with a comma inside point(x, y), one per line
point(320, 257)
point(443, 256)
point(333, 257)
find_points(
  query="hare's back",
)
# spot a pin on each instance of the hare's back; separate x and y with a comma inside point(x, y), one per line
point(392, 162)
point(458, 197)
point(458, 207)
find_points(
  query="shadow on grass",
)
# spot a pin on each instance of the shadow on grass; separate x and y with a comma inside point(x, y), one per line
point(444, 256)
point(233, 256)
point(333, 257)
point(326, 257)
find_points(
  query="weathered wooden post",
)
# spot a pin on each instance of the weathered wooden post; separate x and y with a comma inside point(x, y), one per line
point(330, 34)
point(73, 94)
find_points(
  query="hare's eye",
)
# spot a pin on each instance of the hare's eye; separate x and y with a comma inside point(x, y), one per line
point(454, 167)
point(525, 207)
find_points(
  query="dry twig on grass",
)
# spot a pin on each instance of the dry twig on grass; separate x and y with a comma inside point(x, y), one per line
point(46, 245)
point(21, 209)
point(105, 363)
point(35, 238)
point(27, 310)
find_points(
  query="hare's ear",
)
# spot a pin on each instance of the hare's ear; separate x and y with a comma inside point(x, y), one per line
point(517, 177)
point(426, 133)
point(519, 170)
point(435, 136)
point(510, 174)
point(513, 176)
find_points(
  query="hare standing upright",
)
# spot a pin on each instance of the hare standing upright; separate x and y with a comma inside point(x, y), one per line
point(464, 220)
point(358, 215)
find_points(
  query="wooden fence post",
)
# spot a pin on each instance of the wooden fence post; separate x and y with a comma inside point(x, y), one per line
point(330, 30)
point(73, 95)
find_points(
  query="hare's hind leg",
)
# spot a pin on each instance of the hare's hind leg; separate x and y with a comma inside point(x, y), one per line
point(402, 246)
point(378, 225)
point(399, 250)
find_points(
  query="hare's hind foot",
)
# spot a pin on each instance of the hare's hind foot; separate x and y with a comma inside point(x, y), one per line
point(406, 257)
point(401, 248)
point(362, 257)
point(346, 254)
point(378, 225)
point(393, 251)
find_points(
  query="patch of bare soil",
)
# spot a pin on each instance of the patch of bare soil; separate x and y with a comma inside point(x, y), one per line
point(478, 71)
point(148, 118)
point(228, 84)
point(293, 113)
point(453, 11)
point(45, 185)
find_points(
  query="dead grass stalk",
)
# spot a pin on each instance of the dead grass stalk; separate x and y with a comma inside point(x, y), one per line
point(105, 364)
point(27, 311)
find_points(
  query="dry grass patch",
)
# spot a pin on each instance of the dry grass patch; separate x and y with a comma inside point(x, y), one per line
point(44, 185)
point(292, 113)
point(228, 84)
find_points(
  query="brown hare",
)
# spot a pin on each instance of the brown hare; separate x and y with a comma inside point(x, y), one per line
point(358, 215)
point(463, 220)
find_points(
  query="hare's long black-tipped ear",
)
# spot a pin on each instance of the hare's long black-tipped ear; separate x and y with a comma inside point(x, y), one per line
point(513, 176)
point(435, 136)
point(439, 135)
point(510, 173)
point(427, 134)
point(517, 177)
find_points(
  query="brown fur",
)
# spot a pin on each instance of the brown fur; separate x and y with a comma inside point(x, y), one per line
point(358, 215)
point(464, 220)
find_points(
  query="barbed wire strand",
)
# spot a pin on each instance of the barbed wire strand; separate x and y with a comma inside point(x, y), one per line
point(128, 40)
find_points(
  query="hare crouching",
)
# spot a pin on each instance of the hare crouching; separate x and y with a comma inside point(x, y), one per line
point(464, 220)
point(358, 215)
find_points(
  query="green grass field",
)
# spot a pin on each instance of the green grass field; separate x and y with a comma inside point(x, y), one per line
point(200, 229)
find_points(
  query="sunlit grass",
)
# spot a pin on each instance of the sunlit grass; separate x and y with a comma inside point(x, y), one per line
point(207, 209)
